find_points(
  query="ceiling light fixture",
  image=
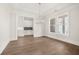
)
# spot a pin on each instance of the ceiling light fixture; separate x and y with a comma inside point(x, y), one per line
point(39, 6)
point(39, 14)
point(40, 21)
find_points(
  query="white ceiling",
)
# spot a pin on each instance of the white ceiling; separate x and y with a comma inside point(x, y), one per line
point(44, 7)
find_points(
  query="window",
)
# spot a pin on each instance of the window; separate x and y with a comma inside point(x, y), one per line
point(60, 25)
point(52, 25)
point(63, 25)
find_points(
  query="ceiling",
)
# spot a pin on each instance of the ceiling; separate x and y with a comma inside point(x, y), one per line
point(44, 7)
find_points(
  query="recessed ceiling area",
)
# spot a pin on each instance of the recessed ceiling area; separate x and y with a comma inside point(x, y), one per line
point(34, 7)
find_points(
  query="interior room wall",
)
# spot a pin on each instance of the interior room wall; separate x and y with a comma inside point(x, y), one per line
point(4, 26)
point(39, 27)
point(74, 19)
point(13, 17)
point(20, 29)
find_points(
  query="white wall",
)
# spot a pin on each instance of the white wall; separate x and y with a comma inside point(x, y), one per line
point(74, 28)
point(4, 26)
point(74, 24)
point(39, 27)
point(13, 34)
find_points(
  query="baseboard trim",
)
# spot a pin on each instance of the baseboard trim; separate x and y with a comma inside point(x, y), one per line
point(66, 40)
point(3, 47)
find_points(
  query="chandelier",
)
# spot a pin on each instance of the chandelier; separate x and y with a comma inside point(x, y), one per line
point(39, 14)
point(39, 7)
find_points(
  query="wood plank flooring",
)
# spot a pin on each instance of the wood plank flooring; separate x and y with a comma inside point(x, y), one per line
point(29, 45)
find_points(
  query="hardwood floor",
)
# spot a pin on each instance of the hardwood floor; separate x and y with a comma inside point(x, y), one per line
point(29, 45)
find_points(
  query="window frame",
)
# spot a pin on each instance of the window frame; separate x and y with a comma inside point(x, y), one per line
point(53, 25)
point(56, 17)
point(61, 15)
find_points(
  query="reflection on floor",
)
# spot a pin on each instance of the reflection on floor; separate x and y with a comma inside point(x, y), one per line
point(28, 45)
